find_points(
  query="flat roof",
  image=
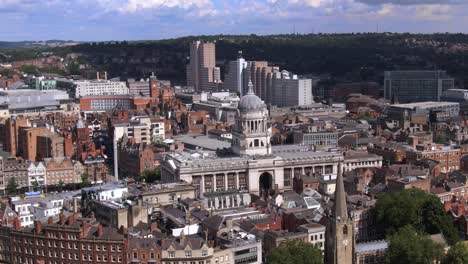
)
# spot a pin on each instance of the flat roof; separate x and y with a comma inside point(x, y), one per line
point(371, 246)
point(204, 142)
point(429, 104)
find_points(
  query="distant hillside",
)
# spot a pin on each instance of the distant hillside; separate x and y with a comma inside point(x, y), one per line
point(350, 57)
point(36, 44)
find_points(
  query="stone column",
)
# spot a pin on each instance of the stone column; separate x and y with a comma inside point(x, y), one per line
point(226, 178)
point(202, 186)
point(214, 182)
point(237, 180)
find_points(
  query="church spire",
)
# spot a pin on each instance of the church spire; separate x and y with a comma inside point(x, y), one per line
point(340, 210)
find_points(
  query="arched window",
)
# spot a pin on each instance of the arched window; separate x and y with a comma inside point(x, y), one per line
point(250, 145)
point(262, 144)
point(345, 230)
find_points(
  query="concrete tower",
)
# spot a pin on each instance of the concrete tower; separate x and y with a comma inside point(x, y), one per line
point(251, 135)
point(340, 231)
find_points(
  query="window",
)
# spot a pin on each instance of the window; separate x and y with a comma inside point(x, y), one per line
point(188, 254)
point(204, 253)
point(135, 255)
point(151, 255)
point(171, 254)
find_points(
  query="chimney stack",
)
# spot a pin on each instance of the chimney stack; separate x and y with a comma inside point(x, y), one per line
point(50, 220)
point(447, 206)
point(16, 224)
point(38, 226)
point(461, 209)
point(63, 218)
point(85, 227)
point(71, 219)
point(154, 227)
point(75, 205)
point(100, 231)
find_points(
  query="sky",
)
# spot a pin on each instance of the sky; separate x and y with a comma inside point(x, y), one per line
point(95, 20)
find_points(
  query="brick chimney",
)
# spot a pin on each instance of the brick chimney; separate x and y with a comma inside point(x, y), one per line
point(85, 227)
point(461, 209)
point(71, 219)
point(38, 226)
point(100, 231)
point(154, 227)
point(16, 224)
point(447, 206)
point(122, 230)
point(63, 218)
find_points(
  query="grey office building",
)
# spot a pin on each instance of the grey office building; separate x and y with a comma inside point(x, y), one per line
point(416, 86)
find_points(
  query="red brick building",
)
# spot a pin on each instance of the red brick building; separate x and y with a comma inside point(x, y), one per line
point(109, 102)
point(447, 156)
point(9, 132)
point(135, 158)
point(69, 240)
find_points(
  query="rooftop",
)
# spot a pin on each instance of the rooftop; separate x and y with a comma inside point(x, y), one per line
point(424, 105)
point(203, 142)
point(371, 246)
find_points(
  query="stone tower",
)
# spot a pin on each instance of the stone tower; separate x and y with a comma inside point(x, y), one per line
point(340, 231)
point(251, 134)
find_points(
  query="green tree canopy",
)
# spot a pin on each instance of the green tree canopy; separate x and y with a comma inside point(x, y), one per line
point(36, 185)
point(29, 69)
point(12, 186)
point(296, 253)
point(409, 246)
point(457, 254)
point(60, 185)
point(151, 176)
point(413, 207)
point(85, 180)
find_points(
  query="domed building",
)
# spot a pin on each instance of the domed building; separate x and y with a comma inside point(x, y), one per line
point(253, 166)
point(251, 134)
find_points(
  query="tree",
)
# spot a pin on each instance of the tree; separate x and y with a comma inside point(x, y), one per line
point(409, 246)
point(413, 207)
point(35, 185)
point(151, 176)
point(85, 180)
point(295, 253)
point(60, 185)
point(12, 186)
point(29, 69)
point(457, 254)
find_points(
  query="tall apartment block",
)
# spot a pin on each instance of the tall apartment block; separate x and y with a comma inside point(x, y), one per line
point(202, 73)
point(269, 83)
point(416, 86)
point(260, 74)
point(234, 80)
point(289, 90)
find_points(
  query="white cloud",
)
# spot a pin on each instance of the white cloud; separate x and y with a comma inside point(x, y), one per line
point(132, 6)
point(434, 12)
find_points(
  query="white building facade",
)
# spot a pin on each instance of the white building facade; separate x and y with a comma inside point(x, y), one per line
point(99, 87)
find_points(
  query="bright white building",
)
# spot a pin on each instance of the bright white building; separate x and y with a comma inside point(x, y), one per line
point(99, 87)
point(234, 78)
point(37, 172)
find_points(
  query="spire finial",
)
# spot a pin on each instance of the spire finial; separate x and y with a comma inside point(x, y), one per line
point(341, 211)
point(251, 91)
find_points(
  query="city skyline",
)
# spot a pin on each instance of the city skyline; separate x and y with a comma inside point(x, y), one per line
point(86, 20)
